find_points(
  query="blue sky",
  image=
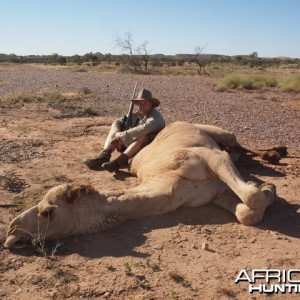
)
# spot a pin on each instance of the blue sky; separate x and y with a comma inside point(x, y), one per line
point(230, 27)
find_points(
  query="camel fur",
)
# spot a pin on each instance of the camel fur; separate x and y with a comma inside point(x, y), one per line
point(183, 166)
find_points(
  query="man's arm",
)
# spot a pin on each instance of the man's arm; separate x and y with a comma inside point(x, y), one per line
point(154, 123)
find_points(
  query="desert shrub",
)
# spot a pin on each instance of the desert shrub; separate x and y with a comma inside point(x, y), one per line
point(248, 82)
point(11, 181)
point(89, 111)
point(69, 105)
point(273, 98)
point(85, 90)
point(260, 82)
point(290, 84)
point(16, 99)
point(55, 100)
point(80, 70)
point(179, 278)
point(231, 81)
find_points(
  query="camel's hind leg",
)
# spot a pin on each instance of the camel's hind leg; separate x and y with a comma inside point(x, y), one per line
point(227, 140)
point(219, 135)
point(221, 165)
point(243, 213)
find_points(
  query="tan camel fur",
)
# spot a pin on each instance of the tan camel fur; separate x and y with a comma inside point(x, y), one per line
point(183, 166)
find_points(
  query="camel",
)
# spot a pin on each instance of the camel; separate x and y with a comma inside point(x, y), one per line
point(183, 166)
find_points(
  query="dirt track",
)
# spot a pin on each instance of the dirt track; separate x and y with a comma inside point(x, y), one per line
point(160, 257)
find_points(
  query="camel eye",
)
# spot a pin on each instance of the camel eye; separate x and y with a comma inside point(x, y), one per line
point(47, 211)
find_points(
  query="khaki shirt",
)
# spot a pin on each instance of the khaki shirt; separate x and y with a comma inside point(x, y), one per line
point(153, 123)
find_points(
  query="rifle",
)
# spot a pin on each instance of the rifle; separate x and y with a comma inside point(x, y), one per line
point(127, 122)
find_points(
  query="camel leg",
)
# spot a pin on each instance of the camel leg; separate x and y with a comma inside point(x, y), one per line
point(156, 196)
point(164, 194)
point(246, 216)
point(222, 166)
point(270, 155)
point(281, 149)
point(227, 139)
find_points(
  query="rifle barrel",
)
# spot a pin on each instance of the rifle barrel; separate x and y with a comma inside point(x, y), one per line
point(129, 115)
point(132, 97)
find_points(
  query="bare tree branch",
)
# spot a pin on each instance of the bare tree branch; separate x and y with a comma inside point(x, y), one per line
point(127, 44)
point(200, 60)
point(145, 53)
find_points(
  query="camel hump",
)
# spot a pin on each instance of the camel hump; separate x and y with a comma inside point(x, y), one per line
point(180, 130)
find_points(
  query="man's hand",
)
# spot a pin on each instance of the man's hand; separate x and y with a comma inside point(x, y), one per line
point(117, 140)
point(118, 136)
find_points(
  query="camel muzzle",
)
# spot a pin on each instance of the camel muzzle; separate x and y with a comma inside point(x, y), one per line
point(22, 228)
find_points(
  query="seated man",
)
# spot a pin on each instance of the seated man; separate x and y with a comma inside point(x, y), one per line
point(147, 122)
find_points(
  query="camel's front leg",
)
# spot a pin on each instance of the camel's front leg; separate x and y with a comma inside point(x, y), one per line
point(156, 196)
point(221, 165)
point(247, 216)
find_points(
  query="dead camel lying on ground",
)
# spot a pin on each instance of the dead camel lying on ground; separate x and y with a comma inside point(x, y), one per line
point(183, 166)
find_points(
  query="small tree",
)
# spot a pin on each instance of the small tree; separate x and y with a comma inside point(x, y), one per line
point(90, 57)
point(53, 58)
point(180, 62)
point(200, 60)
point(108, 57)
point(145, 54)
point(61, 60)
point(253, 55)
point(75, 59)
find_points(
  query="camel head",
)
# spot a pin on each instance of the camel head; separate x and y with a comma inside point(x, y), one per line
point(61, 212)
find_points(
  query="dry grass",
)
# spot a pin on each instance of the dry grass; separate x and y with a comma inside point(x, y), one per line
point(12, 182)
point(290, 84)
point(62, 101)
point(248, 82)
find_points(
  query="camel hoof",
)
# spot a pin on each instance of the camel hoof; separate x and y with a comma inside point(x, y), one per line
point(281, 149)
point(253, 183)
point(272, 157)
point(247, 216)
point(268, 186)
point(269, 189)
point(254, 198)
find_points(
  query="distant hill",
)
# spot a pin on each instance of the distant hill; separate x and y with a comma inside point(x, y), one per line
point(158, 56)
point(99, 55)
point(208, 56)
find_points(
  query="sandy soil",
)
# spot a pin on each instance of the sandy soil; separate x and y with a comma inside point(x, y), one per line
point(189, 254)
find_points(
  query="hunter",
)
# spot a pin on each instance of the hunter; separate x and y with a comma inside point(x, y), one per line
point(146, 123)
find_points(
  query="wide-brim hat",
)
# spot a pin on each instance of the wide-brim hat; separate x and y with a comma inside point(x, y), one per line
point(146, 95)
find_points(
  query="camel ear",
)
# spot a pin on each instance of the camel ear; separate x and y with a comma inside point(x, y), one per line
point(46, 210)
point(76, 191)
point(73, 194)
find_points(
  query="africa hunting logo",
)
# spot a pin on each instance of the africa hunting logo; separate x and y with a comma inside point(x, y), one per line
point(271, 281)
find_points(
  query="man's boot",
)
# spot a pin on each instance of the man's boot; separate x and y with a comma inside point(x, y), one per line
point(96, 163)
point(114, 165)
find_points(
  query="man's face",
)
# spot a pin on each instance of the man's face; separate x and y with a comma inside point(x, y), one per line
point(144, 106)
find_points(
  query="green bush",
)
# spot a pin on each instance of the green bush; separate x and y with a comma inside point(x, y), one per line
point(290, 84)
point(248, 82)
